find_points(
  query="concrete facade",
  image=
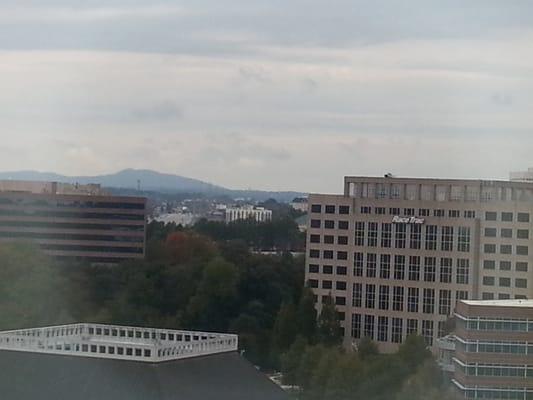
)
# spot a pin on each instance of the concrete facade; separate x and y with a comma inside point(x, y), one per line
point(396, 254)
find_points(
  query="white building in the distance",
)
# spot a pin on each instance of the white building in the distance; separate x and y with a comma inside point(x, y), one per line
point(259, 214)
point(526, 176)
point(300, 204)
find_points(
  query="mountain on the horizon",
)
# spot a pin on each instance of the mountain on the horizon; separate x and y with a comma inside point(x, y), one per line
point(149, 181)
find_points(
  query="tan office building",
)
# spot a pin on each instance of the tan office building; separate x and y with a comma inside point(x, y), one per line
point(493, 356)
point(396, 254)
point(77, 221)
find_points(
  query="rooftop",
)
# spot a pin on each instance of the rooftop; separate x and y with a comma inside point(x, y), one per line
point(499, 303)
point(118, 342)
point(37, 187)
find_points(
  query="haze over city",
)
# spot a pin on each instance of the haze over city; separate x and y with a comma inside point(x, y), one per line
point(263, 95)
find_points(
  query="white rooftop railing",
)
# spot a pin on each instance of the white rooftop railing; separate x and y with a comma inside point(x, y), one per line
point(118, 342)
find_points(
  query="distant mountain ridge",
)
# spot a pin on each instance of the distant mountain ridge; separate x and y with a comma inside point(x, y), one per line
point(150, 181)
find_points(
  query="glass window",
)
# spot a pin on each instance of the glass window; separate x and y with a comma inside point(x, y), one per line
point(505, 265)
point(446, 270)
point(383, 297)
point(431, 237)
point(370, 296)
point(329, 224)
point(357, 295)
point(330, 209)
point(490, 216)
point(358, 264)
point(397, 328)
point(522, 234)
point(429, 269)
point(489, 264)
point(327, 269)
point(445, 302)
point(397, 298)
point(328, 239)
point(356, 326)
point(463, 271)
point(369, 326)
point(372, 234)
point(383, 329)
point(314, 238)
point(359, 233)
point(522, 250)
point(316, 208)
point(521, 283)
point(463, 244)
point(399, 267)
point(507, 216)
point(428, 301)
point(506, 233)
point(412, 299)
point(386, 234)
point(344, 209)
point(427, 332)
point(490, 232)
point(447, 238)
point(521, 266)
point(371, 265)
point(414, 268)
point(343, 225)
point(505, 282)
point(313, 268)
point(488, 280)
point(416, 235)
point(400, 234)
point(523, 217)
point(384, 269)
point(315, 223)
point(341, 270)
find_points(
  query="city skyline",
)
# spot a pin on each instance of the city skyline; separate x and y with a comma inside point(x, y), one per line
point(263, 95)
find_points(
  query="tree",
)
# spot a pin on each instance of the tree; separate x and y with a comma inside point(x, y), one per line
point(366, 348)
point(328, 328)
point(285, 328)
point(290, 361)
point(306, 315)
point(413, 352)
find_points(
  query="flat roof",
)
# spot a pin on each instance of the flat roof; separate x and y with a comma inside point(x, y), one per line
point(466, 181)
point(500, 303)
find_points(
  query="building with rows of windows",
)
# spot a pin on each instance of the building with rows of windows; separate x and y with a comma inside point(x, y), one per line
point(396, 254)
point(492, 352)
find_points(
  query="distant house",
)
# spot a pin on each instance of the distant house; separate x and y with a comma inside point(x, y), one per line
point(302, 222)
point(108, 362)
point(259, 214)
point(300, 204)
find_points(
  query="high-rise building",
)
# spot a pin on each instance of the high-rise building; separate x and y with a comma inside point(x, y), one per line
point(493, 350)
point(396, 254)
point(78, 221)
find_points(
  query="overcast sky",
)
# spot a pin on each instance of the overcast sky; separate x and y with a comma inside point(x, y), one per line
point(277, 94)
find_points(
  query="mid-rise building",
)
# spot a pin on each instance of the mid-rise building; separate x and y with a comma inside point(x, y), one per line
point(396, 254)
point(77, 221)
point(300, 204)
point(258, 214)
point(493, 355)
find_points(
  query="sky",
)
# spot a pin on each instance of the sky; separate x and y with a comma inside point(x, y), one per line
point(277, 95)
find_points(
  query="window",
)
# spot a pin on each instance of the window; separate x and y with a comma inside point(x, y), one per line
point(343, 225)
point(359, 233)
point(438, 213)
point(520, 283)
point(315, 223)
point(427, 332)
point(313, 253)
point(506, 249)
point(429, 269)
point(316, 208)
point(507, 216)
point(445, 302)
point(384, 267)
point(380, 210)
point(329, 224)
point(342, 240)
point(313, 283)
point(386, 234)
point(371, 265)
point(489, 248)
point(329, 239)
point(410, 212)
point(412, 299)
point(523, 217)
point(521, 266)
point(412, 327)
point(446, 270)
point(340, 300)
point(370, 299)
point(463, 267)
point(394, 211)
point(356, 326)
point(397, 328)
point(383, 297)
point(399, 267)
point(469, 214)
point(313, 268)
point(489, 264)
point(431, 237)
point(341, 270)
point(505, 265)
point(327, 254)
point(369, 327)
point(314, 238)
point(366, 210)
point(504, 296)
point(428, 301)
point(383, 329)
point(522, 250)
point(399, 238)
point(327, 284)
point(344, 210)
point(342, 255)
point(506, 233)
point(490, 216)
point(416, 234)
point(357, 295)
point(330, 209)
point(414, 268)
point(423, 212)
point(454, 213)
point(358, 264)
point(490, 232)
point(447, 238)
point(397, 298)
point(487, 296)
point(504, 282)
point(327, 269)
point(522, 234)
point(488, 280)
point(463, 243)
point(372, 234)
point(461, 295)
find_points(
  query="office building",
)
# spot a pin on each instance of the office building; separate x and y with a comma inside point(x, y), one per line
point(77, 221)
point(258, 214)
point(396, 254)
point(493, 352)
point(109, 362)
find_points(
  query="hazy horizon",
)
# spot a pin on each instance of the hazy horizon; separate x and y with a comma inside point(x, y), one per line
point(269, 95)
